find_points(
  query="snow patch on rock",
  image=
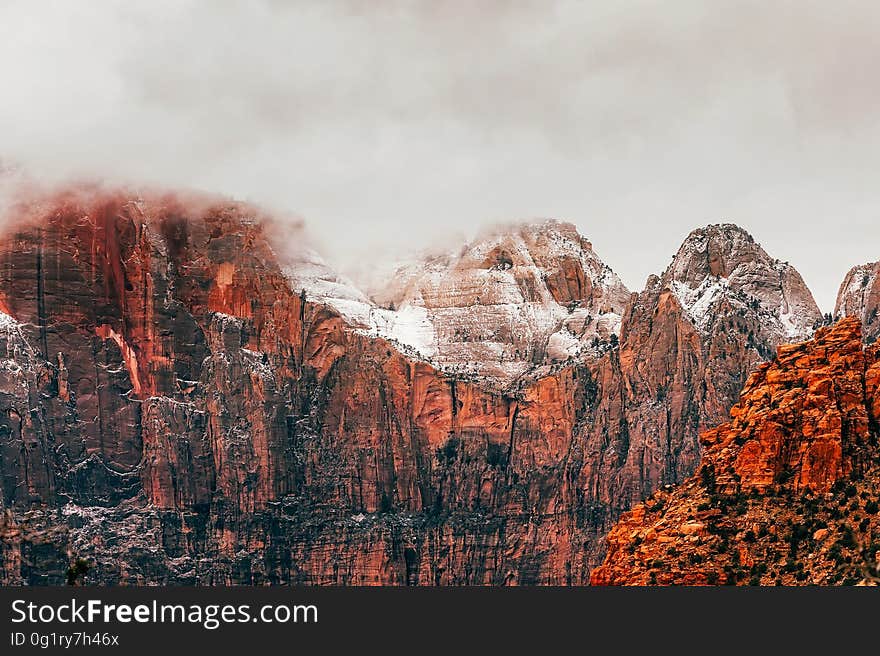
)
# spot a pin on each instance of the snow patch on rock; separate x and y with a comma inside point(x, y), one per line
point(508, 305)
point(514, 301)
point(407, 326)
point(699, 302)
point(723, 264)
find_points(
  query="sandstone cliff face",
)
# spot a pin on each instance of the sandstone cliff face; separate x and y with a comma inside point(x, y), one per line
point(172, 410)
point(177, 405)
point(787, 491)
point(859, 296)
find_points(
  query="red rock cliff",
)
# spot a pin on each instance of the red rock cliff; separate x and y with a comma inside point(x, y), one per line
point(171, 410)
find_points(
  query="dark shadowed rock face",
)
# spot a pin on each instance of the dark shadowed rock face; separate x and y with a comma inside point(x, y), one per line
point(171, 410)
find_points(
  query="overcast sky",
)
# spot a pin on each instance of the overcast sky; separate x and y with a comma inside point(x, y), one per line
point(393, 126)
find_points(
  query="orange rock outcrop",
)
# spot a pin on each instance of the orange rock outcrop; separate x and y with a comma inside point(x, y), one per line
point(786, 491)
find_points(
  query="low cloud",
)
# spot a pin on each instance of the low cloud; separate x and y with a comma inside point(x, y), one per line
point(392, 126)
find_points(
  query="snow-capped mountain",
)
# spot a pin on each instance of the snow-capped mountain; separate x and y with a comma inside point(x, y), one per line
point(721, 266)
point(513, 302)
point(519, 299)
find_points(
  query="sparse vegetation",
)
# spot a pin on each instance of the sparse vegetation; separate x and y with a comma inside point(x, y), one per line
point(77, 571)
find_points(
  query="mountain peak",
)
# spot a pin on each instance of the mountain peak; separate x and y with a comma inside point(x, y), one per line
point(716, 250)
point(723, 228)
point(537, 224)
point(722, 263)
point(517, 299)
point(859, 296)
point(529, 243)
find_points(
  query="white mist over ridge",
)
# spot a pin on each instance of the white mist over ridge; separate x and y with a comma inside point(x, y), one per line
point(391, 128)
